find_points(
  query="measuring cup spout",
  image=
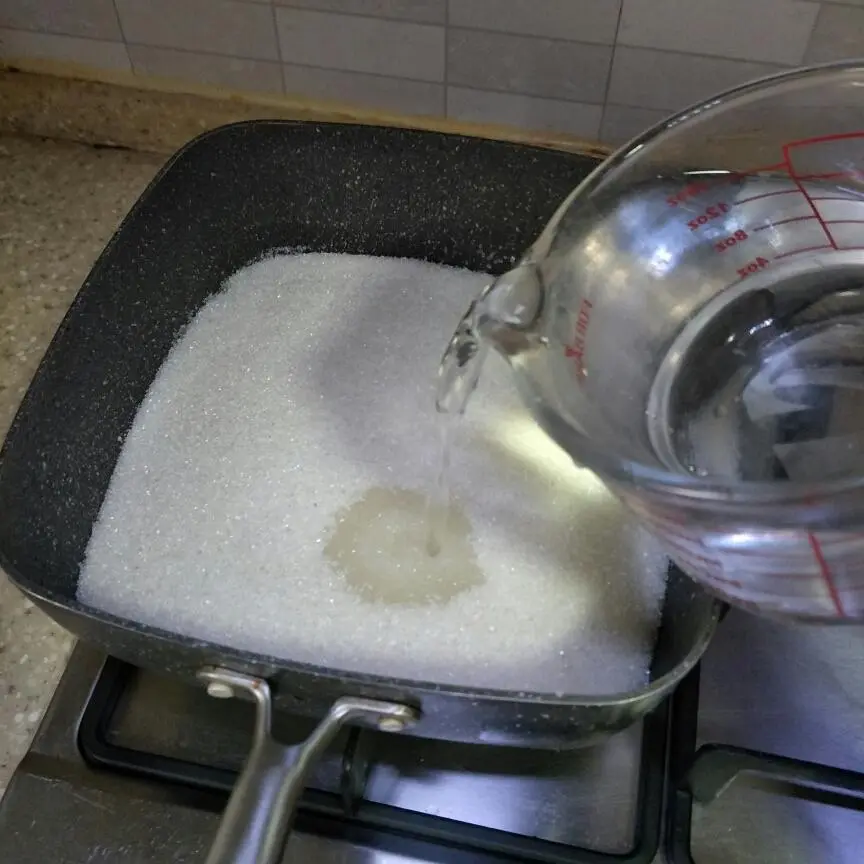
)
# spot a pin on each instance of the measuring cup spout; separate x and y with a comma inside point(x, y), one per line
point(504, 316)
point(506, 313)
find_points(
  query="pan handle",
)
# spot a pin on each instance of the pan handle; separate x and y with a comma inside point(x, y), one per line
point(257, 820)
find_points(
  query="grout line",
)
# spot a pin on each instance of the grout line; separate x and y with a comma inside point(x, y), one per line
point(283, 63)
point(776, 66)
point(119, 22)
point(37, 32)
point(66, 36)
point(316, 11)
point(617, 44)
point(668, 112)
point(611, 65)
point(494, 31)
point(662, 111)
point(278, 47)
point(123, 41)
point(320, 11)
point(823, 10)
point(558, 99)
point(446, 58)
point(533, 36)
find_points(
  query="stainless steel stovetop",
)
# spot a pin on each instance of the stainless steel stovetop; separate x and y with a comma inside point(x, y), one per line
point(167, 752)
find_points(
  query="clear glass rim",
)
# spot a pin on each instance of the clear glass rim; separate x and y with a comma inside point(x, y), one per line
point(700, 489)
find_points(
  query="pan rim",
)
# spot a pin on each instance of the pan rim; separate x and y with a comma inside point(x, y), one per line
point(279, 665)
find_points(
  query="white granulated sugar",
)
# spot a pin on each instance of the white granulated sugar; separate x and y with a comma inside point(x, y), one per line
point(307, 382)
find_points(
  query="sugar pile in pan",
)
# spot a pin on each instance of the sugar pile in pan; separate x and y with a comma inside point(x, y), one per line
point(306, 383)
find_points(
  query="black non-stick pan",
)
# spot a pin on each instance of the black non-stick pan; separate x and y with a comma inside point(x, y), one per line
point(220, 203)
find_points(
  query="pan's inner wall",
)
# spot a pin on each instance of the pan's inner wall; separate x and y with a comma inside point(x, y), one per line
point(224, 201)
point(682, 624)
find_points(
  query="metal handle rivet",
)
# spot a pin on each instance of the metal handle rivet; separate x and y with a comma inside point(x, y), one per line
point(218, 690)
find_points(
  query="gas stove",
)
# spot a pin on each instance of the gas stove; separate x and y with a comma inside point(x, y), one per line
point(754, 760)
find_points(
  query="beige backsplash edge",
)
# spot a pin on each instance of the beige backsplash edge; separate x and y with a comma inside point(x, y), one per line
point(70, 102)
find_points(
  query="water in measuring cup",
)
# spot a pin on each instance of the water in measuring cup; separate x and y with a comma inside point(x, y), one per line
point(771, 387)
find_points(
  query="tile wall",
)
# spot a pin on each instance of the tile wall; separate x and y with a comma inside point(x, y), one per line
point(600, 69)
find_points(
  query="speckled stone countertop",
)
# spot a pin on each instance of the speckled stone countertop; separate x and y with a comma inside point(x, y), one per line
point(59, 205)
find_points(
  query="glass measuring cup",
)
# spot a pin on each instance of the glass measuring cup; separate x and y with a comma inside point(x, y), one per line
point(690, 325)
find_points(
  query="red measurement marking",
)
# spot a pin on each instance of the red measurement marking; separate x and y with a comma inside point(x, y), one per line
point(840, 136)
point(762, 169)
point(732, 240)
point(765, 195)
point(577, 350)
point(715, 211)
point(697, 187)
point(825, 570)
point(784, 222)
point(753, 266)
point(797, 180)
point(834, 197)
point(844, 221)
point(830, 175)
point(805, 249)
point(689, 191)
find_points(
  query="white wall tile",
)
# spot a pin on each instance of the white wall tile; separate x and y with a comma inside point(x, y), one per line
point(373, 91)
point(579, 20)
point(536, 63)
point(51, 46)
point(423, 11)
point(95, 19)
point(772, 31)
point(524, 64)
point(213, 26)
point(621, 122)
point(234, 72)
point(839, 35)
point(356, 44)
point(644, 78)
point(527, 112)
